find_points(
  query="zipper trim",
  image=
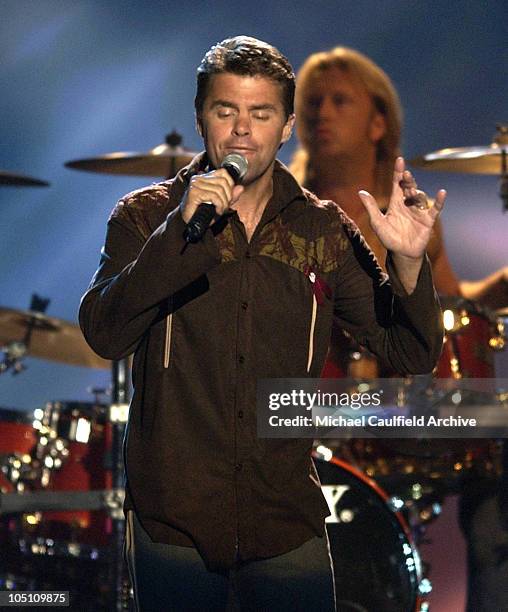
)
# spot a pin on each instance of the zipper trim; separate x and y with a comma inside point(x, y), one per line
point(129, 555)
point(311, 334)
point(167, 342)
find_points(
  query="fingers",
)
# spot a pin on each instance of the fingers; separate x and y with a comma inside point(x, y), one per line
point(215, 187)
point(410, 190)
point(404, 184)
point(398, 170)
point(411, 194)
point(402, 177)
point(439, 201)
point(371, 205)
point(237, 192)
point(408, 181)
point(415, 197)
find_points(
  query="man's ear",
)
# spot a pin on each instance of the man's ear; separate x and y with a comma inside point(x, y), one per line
point(287, 130)
point(377, 127)
point(199, 126)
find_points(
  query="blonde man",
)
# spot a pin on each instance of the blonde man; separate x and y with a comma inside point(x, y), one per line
point(349, 127)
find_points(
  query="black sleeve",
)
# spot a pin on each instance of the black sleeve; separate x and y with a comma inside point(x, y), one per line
point(405, 331)
point(135, 276)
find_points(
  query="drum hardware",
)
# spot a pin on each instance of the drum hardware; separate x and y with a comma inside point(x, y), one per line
point(101, 395)
point(58, 425)
point(120, 397)
point(20, 180)
point(473, 160)
point(418, 474)
point(73, 451)
point(44, 337)
point(12, 360)
point(15, 351)
point(36, 558)
point(164, 160)
point(414, 492)
point(48, 547)
point(420, 505)
point(17, 439)
point(34, 502)
point(68, 503)
point(20, 470)
point(419, 471)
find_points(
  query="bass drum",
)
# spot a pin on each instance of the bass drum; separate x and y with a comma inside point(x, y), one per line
point(376, 565)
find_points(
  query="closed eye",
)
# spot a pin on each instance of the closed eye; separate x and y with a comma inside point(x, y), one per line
point(224, 113)
point(261, 116)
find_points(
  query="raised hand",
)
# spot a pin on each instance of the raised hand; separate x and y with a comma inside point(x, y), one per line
point(406, 226)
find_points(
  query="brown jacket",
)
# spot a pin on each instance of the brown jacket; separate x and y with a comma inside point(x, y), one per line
point(206, 322)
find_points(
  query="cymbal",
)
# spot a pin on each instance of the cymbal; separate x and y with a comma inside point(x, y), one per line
point(20, 180)
point(472, 160)
point(163, 160)
point(53, 339)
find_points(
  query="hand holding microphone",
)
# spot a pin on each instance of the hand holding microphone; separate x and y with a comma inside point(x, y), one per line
point(212, 194)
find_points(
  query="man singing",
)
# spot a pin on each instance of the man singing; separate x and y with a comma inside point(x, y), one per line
point(217, 518)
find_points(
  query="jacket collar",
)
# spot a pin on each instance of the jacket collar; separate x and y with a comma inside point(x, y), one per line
point(286, 189)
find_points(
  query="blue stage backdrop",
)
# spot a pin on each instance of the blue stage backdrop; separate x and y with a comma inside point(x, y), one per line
point(81, 78)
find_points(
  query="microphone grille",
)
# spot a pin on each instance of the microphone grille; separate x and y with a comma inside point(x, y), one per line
point(236, 163)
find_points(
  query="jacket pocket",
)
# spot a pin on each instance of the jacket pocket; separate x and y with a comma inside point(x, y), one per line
point(167, 340)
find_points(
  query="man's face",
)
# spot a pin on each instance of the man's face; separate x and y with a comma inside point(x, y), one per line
point(244, 114)
point(338, 118)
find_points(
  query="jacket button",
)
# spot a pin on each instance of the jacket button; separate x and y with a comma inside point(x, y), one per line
point(244, 305)
point(238, 467)
point(240, 414)
point(241, 359)
point(247, 254)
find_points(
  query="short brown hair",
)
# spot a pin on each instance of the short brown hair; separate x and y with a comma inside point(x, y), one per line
point(246, 56)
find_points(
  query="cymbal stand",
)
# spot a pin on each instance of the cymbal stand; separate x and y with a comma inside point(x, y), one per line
point(501, 139)
point(13, 357)
point(14, 352)
point(118, 417)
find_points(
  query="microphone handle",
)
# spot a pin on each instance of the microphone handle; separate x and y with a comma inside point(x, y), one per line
point(199, 222)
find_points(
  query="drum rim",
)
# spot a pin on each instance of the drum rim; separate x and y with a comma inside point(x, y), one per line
point(378, 489)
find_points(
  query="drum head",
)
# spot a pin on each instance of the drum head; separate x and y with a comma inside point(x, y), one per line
point(376, 567)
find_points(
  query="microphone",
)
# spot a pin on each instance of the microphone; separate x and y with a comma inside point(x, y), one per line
point(236, 166)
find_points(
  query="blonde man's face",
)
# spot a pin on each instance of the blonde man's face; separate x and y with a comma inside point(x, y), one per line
point(337, 117)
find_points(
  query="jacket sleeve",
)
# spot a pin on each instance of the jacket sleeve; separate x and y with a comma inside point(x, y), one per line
point(405, 331)
point(136, 277)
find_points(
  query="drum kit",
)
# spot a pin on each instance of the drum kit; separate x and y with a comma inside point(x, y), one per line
point(383, 493)
point(61, 487)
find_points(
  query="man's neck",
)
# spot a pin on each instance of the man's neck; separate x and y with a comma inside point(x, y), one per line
point(253, 201)
point(341, 179)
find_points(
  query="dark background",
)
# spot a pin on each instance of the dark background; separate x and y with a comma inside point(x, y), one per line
point(84, 78)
